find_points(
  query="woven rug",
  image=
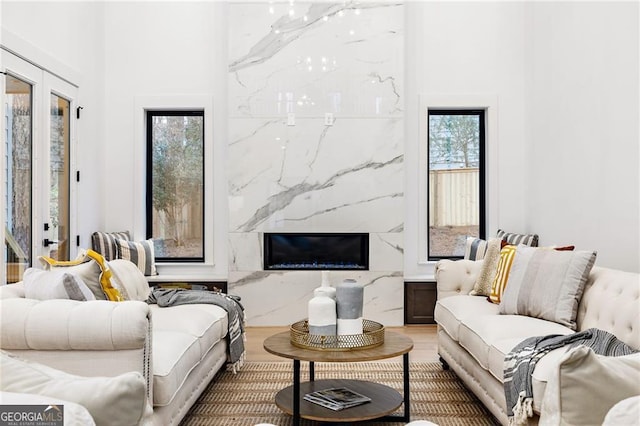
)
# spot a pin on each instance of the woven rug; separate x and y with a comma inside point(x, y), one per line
point(247, 398)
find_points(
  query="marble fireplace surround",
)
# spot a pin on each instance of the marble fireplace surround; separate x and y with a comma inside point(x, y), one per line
point(292, 65)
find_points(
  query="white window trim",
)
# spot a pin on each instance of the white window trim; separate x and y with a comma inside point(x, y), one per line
point(211, 221)
point(418, 265)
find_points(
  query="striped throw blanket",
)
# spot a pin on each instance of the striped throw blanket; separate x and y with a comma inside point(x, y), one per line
point(164, 297)
point(521, 361)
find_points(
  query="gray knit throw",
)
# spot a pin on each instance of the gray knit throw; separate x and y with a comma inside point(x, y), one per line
point(164, 297)
point(521, 361)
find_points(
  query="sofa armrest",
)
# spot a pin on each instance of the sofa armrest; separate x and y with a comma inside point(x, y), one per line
point(29, 324)
point(454, 277)
point(93, 338)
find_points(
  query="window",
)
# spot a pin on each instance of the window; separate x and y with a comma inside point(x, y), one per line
point(175, 184)
point(456, 196)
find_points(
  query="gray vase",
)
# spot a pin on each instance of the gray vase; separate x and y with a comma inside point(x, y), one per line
point(349, 304)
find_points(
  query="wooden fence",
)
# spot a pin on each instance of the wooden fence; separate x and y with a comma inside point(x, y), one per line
point(454, 197)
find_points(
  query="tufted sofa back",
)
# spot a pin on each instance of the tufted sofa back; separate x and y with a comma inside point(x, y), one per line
point(611, 299)
point(611, 302)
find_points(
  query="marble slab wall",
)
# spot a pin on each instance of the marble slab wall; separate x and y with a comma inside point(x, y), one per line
point(316, 128)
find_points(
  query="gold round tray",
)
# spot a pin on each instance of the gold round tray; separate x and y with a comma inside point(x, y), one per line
point(372, 336)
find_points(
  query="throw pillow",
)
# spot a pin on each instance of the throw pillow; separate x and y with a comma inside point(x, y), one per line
point(547, 284)
point(585, 386)
point(507, 254)
point(530, 240)
point(74, 414)
point(92, 269)
point(487, 273)
point(119, 400)
point(58, 284)
point(141, 253)
point(475, 248)
point(129, 280)
point(105, 243)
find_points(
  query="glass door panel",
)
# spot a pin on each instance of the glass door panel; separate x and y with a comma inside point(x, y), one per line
point(18, 111)
point(59, 161)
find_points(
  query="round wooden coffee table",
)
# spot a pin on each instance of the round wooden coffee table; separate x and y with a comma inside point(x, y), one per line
point(384, 400)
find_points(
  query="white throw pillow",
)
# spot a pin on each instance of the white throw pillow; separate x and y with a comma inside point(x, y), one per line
point(74, 414)
point(56, 284)
point(119, 400)
point(585, 387)
point(127, 278)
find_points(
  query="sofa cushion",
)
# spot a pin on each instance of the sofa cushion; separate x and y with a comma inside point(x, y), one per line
point(585, 386)
point(91, 267)
point(126, 277)
point(175, 354)
point(105, 243)
point(74, 414)
point(478, 333)
point(141, 253)
point(208, 323)
point(530, 240)
point(119, 400)
point(475, 248)
point(449, 312)
point(182, 336)
point(548, 284)
point(501, 277)
point(544, 367)
point(58, 284)
point(488, 270)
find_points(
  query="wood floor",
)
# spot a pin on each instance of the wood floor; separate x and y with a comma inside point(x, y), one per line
point(425, 346)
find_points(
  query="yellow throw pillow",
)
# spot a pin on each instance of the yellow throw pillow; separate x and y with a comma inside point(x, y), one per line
point(93, 270)
point(507, 254)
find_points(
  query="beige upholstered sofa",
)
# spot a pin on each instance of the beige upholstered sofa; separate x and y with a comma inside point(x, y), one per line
point(474, 338)
point(177, 349)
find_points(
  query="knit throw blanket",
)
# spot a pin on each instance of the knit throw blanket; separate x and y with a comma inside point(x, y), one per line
point(521, 361)
point(164, 297)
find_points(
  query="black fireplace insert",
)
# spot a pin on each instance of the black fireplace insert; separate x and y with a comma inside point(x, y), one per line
point(313, 251)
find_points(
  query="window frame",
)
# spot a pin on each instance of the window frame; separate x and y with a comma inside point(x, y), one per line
point(417, 265)
point(173, 112)
point(482, 113)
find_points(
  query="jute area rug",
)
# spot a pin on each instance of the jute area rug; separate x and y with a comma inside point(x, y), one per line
point(247, 398)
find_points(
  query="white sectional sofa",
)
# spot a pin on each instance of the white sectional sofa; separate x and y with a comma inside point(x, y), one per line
point(474, 338)
point(177, 349)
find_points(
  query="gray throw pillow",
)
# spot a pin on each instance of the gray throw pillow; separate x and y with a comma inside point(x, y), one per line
point(546, 283)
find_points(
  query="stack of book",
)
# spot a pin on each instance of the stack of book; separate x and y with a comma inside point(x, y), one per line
point(336, 398)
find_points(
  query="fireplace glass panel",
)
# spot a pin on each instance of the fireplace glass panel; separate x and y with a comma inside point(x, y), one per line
point(313, 251)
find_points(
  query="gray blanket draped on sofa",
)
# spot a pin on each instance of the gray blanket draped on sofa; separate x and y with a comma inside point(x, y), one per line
point(521, 361)
point(164, 297)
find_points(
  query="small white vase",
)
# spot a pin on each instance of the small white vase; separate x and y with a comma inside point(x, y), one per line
point(322, 314)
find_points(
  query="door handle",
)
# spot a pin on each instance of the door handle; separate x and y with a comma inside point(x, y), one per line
point(47, 242)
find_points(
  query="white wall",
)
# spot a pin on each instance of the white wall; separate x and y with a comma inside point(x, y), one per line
point(583, 181)
point(67, 38)
point(468, 50)
point(565, 76)
point(161, 49)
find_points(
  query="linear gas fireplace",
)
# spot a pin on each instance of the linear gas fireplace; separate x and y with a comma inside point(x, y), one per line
point(309, 251)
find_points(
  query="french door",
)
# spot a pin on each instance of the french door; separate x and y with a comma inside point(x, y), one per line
point(38, 147)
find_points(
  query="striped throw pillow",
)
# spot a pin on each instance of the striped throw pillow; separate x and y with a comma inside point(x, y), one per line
point(141, 253)
point(475, 248)
point(507, 254)
point(530, 240)
point(105, 243)
point(547, 284)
